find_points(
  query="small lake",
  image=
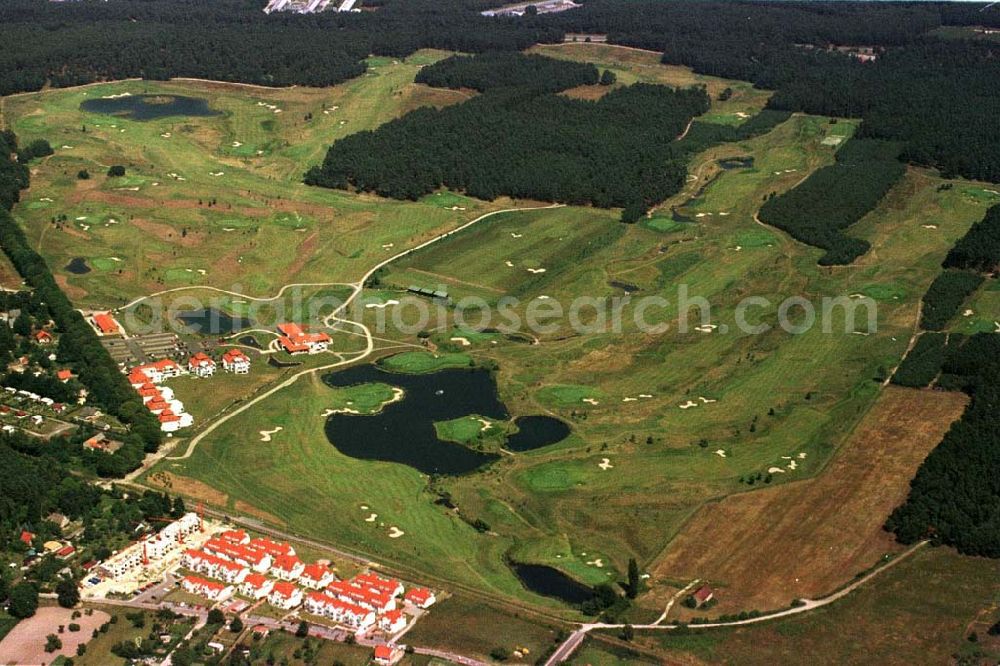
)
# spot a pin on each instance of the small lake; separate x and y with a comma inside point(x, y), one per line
point(78, 266)
point(149, 107)
point(729, 163)
point(210, 321)
point(550, 582)
point(534, 432)
point(403, 431)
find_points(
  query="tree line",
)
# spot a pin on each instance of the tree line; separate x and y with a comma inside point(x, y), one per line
point(955, 497)
point(524, 141)
point(938, 97)
point(78, 345)
point(833, 198)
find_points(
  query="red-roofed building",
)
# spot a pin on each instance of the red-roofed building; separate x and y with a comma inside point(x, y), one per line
point(43, 337)
point(207, 588)
point(106, 324)
point(214, 566)
point(385, 654)
point(234, 536)
point(272, 548)
point(64, 375)
point(350, 615)
point(287, 567)
point(296, 341)
point(236, 362)
point(201, 365)
point(392, 622)
point(27, 537)
point(420, 597)
point(256, 586)
point(66, 552)
point(316, 576)
point(703, 595)
point(355, 594)
point(374, 582)
point(285, 596)
point(255, 558)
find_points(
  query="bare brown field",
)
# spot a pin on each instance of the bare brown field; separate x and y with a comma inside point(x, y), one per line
point(25, 644)
point(764, 549)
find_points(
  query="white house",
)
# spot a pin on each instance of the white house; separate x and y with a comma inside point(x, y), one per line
point(236, 362)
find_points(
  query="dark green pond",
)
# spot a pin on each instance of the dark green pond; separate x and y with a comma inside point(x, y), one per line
point(149, 107)
point(550, 582)
point(403, 431)
point(534, 432)
point(211, 321)
point(78, 266)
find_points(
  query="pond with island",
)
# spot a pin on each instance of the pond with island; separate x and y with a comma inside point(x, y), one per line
point(148, 107)
point(403, 431)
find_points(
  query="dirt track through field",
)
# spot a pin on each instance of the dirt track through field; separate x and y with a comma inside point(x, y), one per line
point(765, 548)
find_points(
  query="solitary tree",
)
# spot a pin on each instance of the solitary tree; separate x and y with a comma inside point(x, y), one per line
point(23, 600)
point(215, 616)
point(116, 171)
point(236, 626)
point(303, 629)
point(608, 78)
point(633, 578)
point(83, 174)
point(67, 593)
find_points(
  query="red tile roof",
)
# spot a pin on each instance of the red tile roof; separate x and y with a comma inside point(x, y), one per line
point(106, 323)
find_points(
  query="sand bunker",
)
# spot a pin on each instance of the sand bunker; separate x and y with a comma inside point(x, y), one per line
point(775, 470)
point(721, 453)
point(929, 226)
point(217, 173)
point(688, 405)
point(391, 301)
point(591, 401)
point(508, 263)
point(629, 399)
point(968, 313)
point(606, 464)
point(706, 328)
point(599, 563)
point(706, 401)
point(265, 435)
point(513, 235)
point(536, 270)
point(395, 532)
point(236, 144)
point(463, 341)
point(371, 518)
point(645, 395)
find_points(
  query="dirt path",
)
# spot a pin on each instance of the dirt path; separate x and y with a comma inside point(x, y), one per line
point(576, 638)
point(329, 321)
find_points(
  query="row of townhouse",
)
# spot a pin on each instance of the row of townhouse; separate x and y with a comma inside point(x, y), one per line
point(156, 547)
point(204, 563)
point(351, 615)
point(209, 589)
point(160, 400)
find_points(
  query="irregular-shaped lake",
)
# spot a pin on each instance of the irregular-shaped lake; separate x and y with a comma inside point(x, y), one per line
point(149, 107)
point(403, 431)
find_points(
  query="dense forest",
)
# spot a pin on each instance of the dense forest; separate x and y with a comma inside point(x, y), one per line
point(78, 345)
point(945, 296)
point(922, 365)
point(937, 96)
point(520, 139)
point(507, 70)
point(979, 249)
point(833, 198)
point(955, 497)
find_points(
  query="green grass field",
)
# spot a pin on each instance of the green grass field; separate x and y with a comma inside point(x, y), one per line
point(922, 611)
point(662, 422)
point(206, 200)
